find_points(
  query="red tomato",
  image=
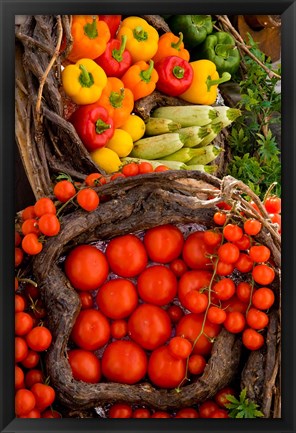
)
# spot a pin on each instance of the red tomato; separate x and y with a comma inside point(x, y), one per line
point(64, 190)
point(131, 169)
point(145, 167)
point(224, 269)
point(179, 267)
point(39, 338)
point(23, 323)
point(213, 238)
point(252, 227)
point(31, 244)
point(157, 285)
point(219, 218)
point(196, 302)
point(124, 362)
point(273, 204)
point(259, 253)
point(187, 412)
point(51, 414)
point(164, 243)
point(243, 291)
point(49, 224)
point(216, 315)
point(141, 413)
point(161, 413)
point(95, 179)
point(44, 205)
point(30, 226)
point(192, 280)
point(44, 395)
point(257, 319)
point(120, 410)
point(19, 378)
point(235, 304)
point(220, 397)
point(195, 252)
point(19, 303)
point(263, 274)
point(149, 326)
point(207, 408)
point(243, 243)
point(244, 263)
point(180, 347)
point(31, 359)
point(86, 300)
point(117, 299)
point(33, 376)
point(119, 329)
point(224, 289)
point(86, 267)
point(175, 313)
point(21, 349)
point(28, 213)
point(91, 330)
point(34, 413)
point(234, 322)
point(232, 232)
point(252, 340)
point(263, 298)
point(164, 369)
point(228, 253)
point(18, 256)
point(85, 366)
point(161, 168)
point(220, 413)
point(88, 199)
point(126, 255)
point(196, 364)
point(24, 402)
point(190, 326)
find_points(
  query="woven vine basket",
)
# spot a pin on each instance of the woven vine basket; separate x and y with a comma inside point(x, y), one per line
point(48, 144)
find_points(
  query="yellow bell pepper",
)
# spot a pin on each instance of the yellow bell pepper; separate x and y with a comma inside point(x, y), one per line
point(204, 87)
point(142, 38)
point(84, 81)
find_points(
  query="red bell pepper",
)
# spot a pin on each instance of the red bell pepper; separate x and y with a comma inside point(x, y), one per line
point(93, 125)
point(112, 21)
point(116, 59)
point(174, 75)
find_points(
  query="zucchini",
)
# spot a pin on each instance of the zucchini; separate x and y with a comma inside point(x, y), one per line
point(188, 115)
point(156, 126)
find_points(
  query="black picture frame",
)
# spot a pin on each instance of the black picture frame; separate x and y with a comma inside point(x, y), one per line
point(10, 8)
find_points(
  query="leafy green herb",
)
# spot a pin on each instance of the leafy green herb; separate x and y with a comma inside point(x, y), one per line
point(242, 408)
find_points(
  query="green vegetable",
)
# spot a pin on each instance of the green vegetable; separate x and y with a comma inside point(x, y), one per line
point(202, 155)
point(188, 115)
point(156, 126)
point(157, 147)
point(195, 28)
point(242, 408)
point(226, 115)
point(215, 130)
point(193, 135)
point(221, 49)
point(206, 168)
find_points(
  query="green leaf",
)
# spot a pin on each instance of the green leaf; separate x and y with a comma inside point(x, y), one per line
point(232, 398)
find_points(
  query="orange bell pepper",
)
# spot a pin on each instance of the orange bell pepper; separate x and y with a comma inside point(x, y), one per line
point(141, 79)
point(171, 45)
point(90, 37)
point(118, 101)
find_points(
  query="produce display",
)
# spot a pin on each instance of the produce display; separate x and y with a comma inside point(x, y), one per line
point(147, 271)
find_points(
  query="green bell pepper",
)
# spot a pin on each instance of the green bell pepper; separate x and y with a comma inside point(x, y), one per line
point(195, 28)
point(221, 49)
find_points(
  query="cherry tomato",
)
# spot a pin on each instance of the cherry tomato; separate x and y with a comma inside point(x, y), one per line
point(212, 238)
point(88, 199)
point(32, 291)
point(39, 338)
point(120, 410)
point(232, 232)
point(164, 369)
point(44, 395)
point(234, 322)
point(244, 263)
point(196, 364)
point(141, 413)
point(221, 396)
point(273, 204)
point(276, 219)
point(252, 227)
point(51, 414)
point(21, 349)
point(116, 175)
point(117, 298)
point(228, 253)
point(33, 376)
point(220, 218)
point(126, 255)
point(160, 168)
point(91, 330)
point(64, 190)
point(157, 285)
point(119, 329)
point(86, 300)
point(145, 167)
point(224, 289)
point(207, 408)
point(220, 413)
point(161, 413)
point(31, 244)
point(95, 179)
point(19, 303)
point(196, 302)
point(257, 319)
point(19, 377)
point(163, 243)
point(243, 243)
point(187, 412)
point(18, 256)
point(131, 169)
point(149, 326)
point(263, 298)
point(86, 267)
point(190, 327)
point(224, 269)
point(34, 413)
point(195, 252)
point(192, 280)
point(124, 362)
point(49, 224)
point(252, 340)
point(85, 365)
point(216, 315)
point(44, 205)
point(31, 360)
point(263, 274)
point(259, 253)
point(30, 226)
point(235, 304)
point(179, 267)
point(243, 291)
point(175, 313)
point(28, 212)
point(24, 402)
point(180, 347)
